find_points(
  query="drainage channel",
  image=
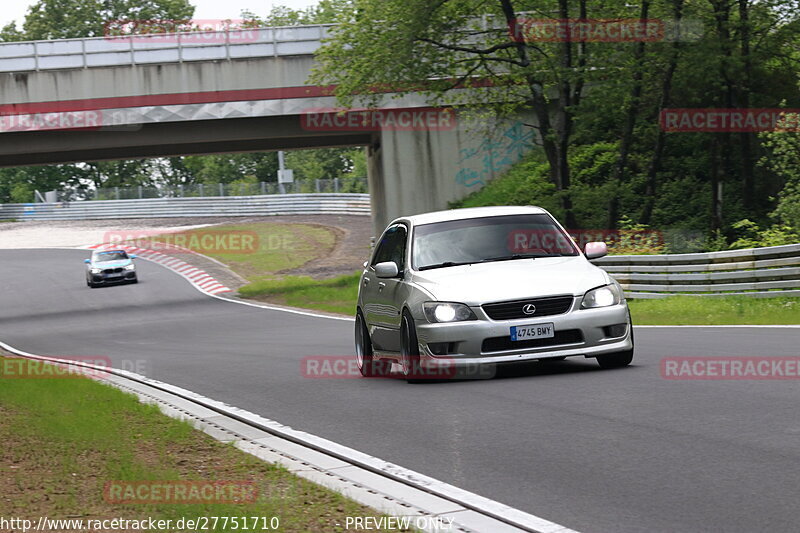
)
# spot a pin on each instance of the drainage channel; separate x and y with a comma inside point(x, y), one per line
point(431, 504)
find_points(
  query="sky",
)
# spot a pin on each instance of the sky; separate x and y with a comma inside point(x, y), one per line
point(14, 10)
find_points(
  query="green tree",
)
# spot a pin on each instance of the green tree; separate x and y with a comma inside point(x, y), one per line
point(67, 19)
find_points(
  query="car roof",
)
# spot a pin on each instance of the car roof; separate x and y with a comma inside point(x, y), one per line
point(98, 252)
point(471, 212)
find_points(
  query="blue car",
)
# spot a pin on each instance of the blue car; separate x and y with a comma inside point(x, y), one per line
point(108, 267)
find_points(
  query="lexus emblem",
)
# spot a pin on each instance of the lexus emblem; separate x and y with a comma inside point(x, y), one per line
point(529, 309)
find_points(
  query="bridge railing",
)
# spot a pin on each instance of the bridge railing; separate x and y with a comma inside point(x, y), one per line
point(138, 49)
point(758, 272)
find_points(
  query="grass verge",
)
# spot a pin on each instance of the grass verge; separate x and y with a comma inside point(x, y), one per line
point(334, 295)
point(64, 439)
point(278, 246)
point(693, 310)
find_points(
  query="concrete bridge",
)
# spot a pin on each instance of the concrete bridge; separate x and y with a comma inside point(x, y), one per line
point(232, 91)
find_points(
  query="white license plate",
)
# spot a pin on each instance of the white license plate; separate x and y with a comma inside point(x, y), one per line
point(535, 331)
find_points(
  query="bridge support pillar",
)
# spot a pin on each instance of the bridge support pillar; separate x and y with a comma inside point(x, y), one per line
point(413, 172)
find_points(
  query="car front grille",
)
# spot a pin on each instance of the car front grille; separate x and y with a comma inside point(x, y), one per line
point(552, 305)
point(500, 344)
point(112, 271)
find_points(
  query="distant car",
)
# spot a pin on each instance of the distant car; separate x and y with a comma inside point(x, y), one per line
point(471, 288)
point(110, 266)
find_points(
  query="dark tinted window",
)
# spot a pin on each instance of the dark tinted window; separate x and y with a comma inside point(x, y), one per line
point(473, 240)
point(103, 257)
point(392, 247)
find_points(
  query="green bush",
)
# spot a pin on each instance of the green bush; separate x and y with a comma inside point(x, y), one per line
point(752, 236)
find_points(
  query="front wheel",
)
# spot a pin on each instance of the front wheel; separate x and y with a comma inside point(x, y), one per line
point(615, 360)
point(409, 354)
point(367, 365)
point(619, 359)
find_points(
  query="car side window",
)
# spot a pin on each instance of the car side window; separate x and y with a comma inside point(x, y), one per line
point(392, 247)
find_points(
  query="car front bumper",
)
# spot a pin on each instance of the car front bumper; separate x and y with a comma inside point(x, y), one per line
point(579, 332)
point(129, 275)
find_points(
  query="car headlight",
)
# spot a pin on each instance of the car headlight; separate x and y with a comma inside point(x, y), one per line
point(447, 312)
point(602, 297)
point(130, 267)
point(96, 270)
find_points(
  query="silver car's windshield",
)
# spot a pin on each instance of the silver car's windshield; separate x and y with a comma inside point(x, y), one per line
point(109, 256)
point(499, 238)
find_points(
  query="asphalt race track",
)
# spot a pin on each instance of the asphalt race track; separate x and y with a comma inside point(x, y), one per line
point(616, 450)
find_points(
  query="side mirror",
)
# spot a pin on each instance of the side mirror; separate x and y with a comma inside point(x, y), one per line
point(87, 261)
point(387, 269)
point(595, 250)
point(132, 256)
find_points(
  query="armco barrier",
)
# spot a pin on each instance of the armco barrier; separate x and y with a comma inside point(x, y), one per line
point(227, 206)
point(758, 272)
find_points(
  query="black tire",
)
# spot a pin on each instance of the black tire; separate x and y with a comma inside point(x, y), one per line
point(91, 285)
point(367, 364)
point(409, 360)
point(619, 359)
point(615, 360)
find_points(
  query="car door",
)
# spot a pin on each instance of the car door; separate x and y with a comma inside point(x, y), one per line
point(385, 309)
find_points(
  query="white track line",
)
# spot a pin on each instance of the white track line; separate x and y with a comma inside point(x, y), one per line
point(510, 516)
point(181, 268)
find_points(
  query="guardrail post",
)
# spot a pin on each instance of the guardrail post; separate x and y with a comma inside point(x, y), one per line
point(263, 187)
point(116, 192)
point(201, 190)
point(140, 192)
point(316, 184)
point(336, 185)
point(180, 189)
point(221, 189)
point(228, 43)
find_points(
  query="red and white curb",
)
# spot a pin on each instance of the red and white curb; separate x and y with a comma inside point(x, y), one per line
point(199, 278)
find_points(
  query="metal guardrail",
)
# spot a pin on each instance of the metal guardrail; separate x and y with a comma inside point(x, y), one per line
point(757, 272)
point(176, 47)
point(335, 185)
point(229, 206)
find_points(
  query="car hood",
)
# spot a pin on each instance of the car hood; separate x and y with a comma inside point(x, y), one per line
point(112, 264)
point(518, 279)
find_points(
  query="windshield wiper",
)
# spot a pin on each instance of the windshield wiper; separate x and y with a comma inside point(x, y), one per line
point(517, 256)
point(445, 264)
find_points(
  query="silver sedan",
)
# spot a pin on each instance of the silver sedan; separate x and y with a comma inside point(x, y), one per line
point(457, 292)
